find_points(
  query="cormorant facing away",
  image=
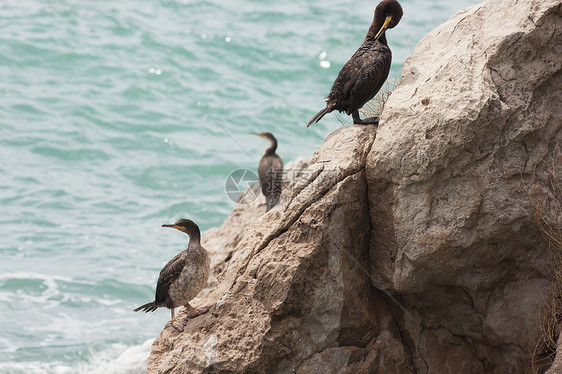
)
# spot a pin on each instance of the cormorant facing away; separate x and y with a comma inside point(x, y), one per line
point(270, 171)
point(364, 74)
point(183, 276)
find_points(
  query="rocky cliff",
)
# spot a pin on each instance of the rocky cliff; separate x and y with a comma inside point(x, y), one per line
point(409, 249)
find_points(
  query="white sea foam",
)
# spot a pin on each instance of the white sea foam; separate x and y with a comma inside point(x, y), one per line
point(117, 359)
point(33, 368)
point(50, 294)
point(4, 276)
point(108, 302)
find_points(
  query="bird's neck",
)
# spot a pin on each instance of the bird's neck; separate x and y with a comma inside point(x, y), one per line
point(271, 150)
point(382, 38)
point(374, 29)
point(194, 238)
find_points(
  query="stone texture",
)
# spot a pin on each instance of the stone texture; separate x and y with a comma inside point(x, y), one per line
point(293, 293)
point(453, 230)
point(408, 249)
point(221, 241)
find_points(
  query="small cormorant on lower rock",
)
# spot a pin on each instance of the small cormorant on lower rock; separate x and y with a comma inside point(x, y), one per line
point(270, 172)
point(183, 277)
point(364, 74)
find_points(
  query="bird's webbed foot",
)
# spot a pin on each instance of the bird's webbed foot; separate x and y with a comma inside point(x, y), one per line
point(197, 312)
point(369, 121)
point(178, 325)
point(365, 121)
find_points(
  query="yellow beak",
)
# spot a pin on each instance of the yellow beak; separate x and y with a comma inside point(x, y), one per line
point(384, 27)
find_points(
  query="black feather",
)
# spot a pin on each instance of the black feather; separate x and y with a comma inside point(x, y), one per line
point(366, 71)
point(148, 307)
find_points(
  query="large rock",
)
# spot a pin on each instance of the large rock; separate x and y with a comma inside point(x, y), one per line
point(221, 241)
point(296, 294)
point(415, 251)
point(478, 109)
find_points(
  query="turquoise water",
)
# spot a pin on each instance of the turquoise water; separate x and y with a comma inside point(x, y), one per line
point(117, 117)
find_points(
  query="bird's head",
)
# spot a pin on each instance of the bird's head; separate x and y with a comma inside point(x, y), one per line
point(265, 135)
point(187, 226)
point(388, 13)
point(268, 136)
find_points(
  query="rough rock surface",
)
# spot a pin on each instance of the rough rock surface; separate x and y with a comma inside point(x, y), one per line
point(411, 249)
point(295, 296)
point(453, 230)
point(221, 241)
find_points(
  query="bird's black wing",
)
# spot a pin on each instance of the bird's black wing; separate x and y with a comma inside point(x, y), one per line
point(341, 89)
point(361, 77)
point(374, 66)
point(270, 172)
point(276, 175)
point(263, 168)
point(168, 274)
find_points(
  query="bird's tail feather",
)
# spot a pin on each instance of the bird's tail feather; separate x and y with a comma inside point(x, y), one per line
point(319, 115)
point(148, 307)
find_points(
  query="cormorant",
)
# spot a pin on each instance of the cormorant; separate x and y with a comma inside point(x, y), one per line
point(270, 172)
point(364, 74)
point(183, 276)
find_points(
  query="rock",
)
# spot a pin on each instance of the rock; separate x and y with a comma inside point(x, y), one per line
point(221, 241)
point(477, 111)
point(408, 249)
point(295, 292)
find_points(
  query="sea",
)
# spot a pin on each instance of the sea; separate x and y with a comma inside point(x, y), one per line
point(119, 116)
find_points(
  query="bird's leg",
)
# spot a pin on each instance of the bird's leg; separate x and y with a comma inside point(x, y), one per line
point(370, 121)
point(367, 121)
point(178, 327)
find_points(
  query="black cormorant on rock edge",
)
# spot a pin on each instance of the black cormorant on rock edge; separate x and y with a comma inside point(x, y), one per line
point(270, 172)
point(364, 74)
point(183, 277)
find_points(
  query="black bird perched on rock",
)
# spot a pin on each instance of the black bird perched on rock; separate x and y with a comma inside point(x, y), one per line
point(270, 172)
point(364, 74)
point(183, 276)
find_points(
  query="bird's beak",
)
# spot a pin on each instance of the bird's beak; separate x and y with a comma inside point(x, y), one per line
point(259, 135)
point(173, 226)
point(384, 27)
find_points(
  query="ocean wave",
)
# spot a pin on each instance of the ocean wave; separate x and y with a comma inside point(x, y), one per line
point(116, 359)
